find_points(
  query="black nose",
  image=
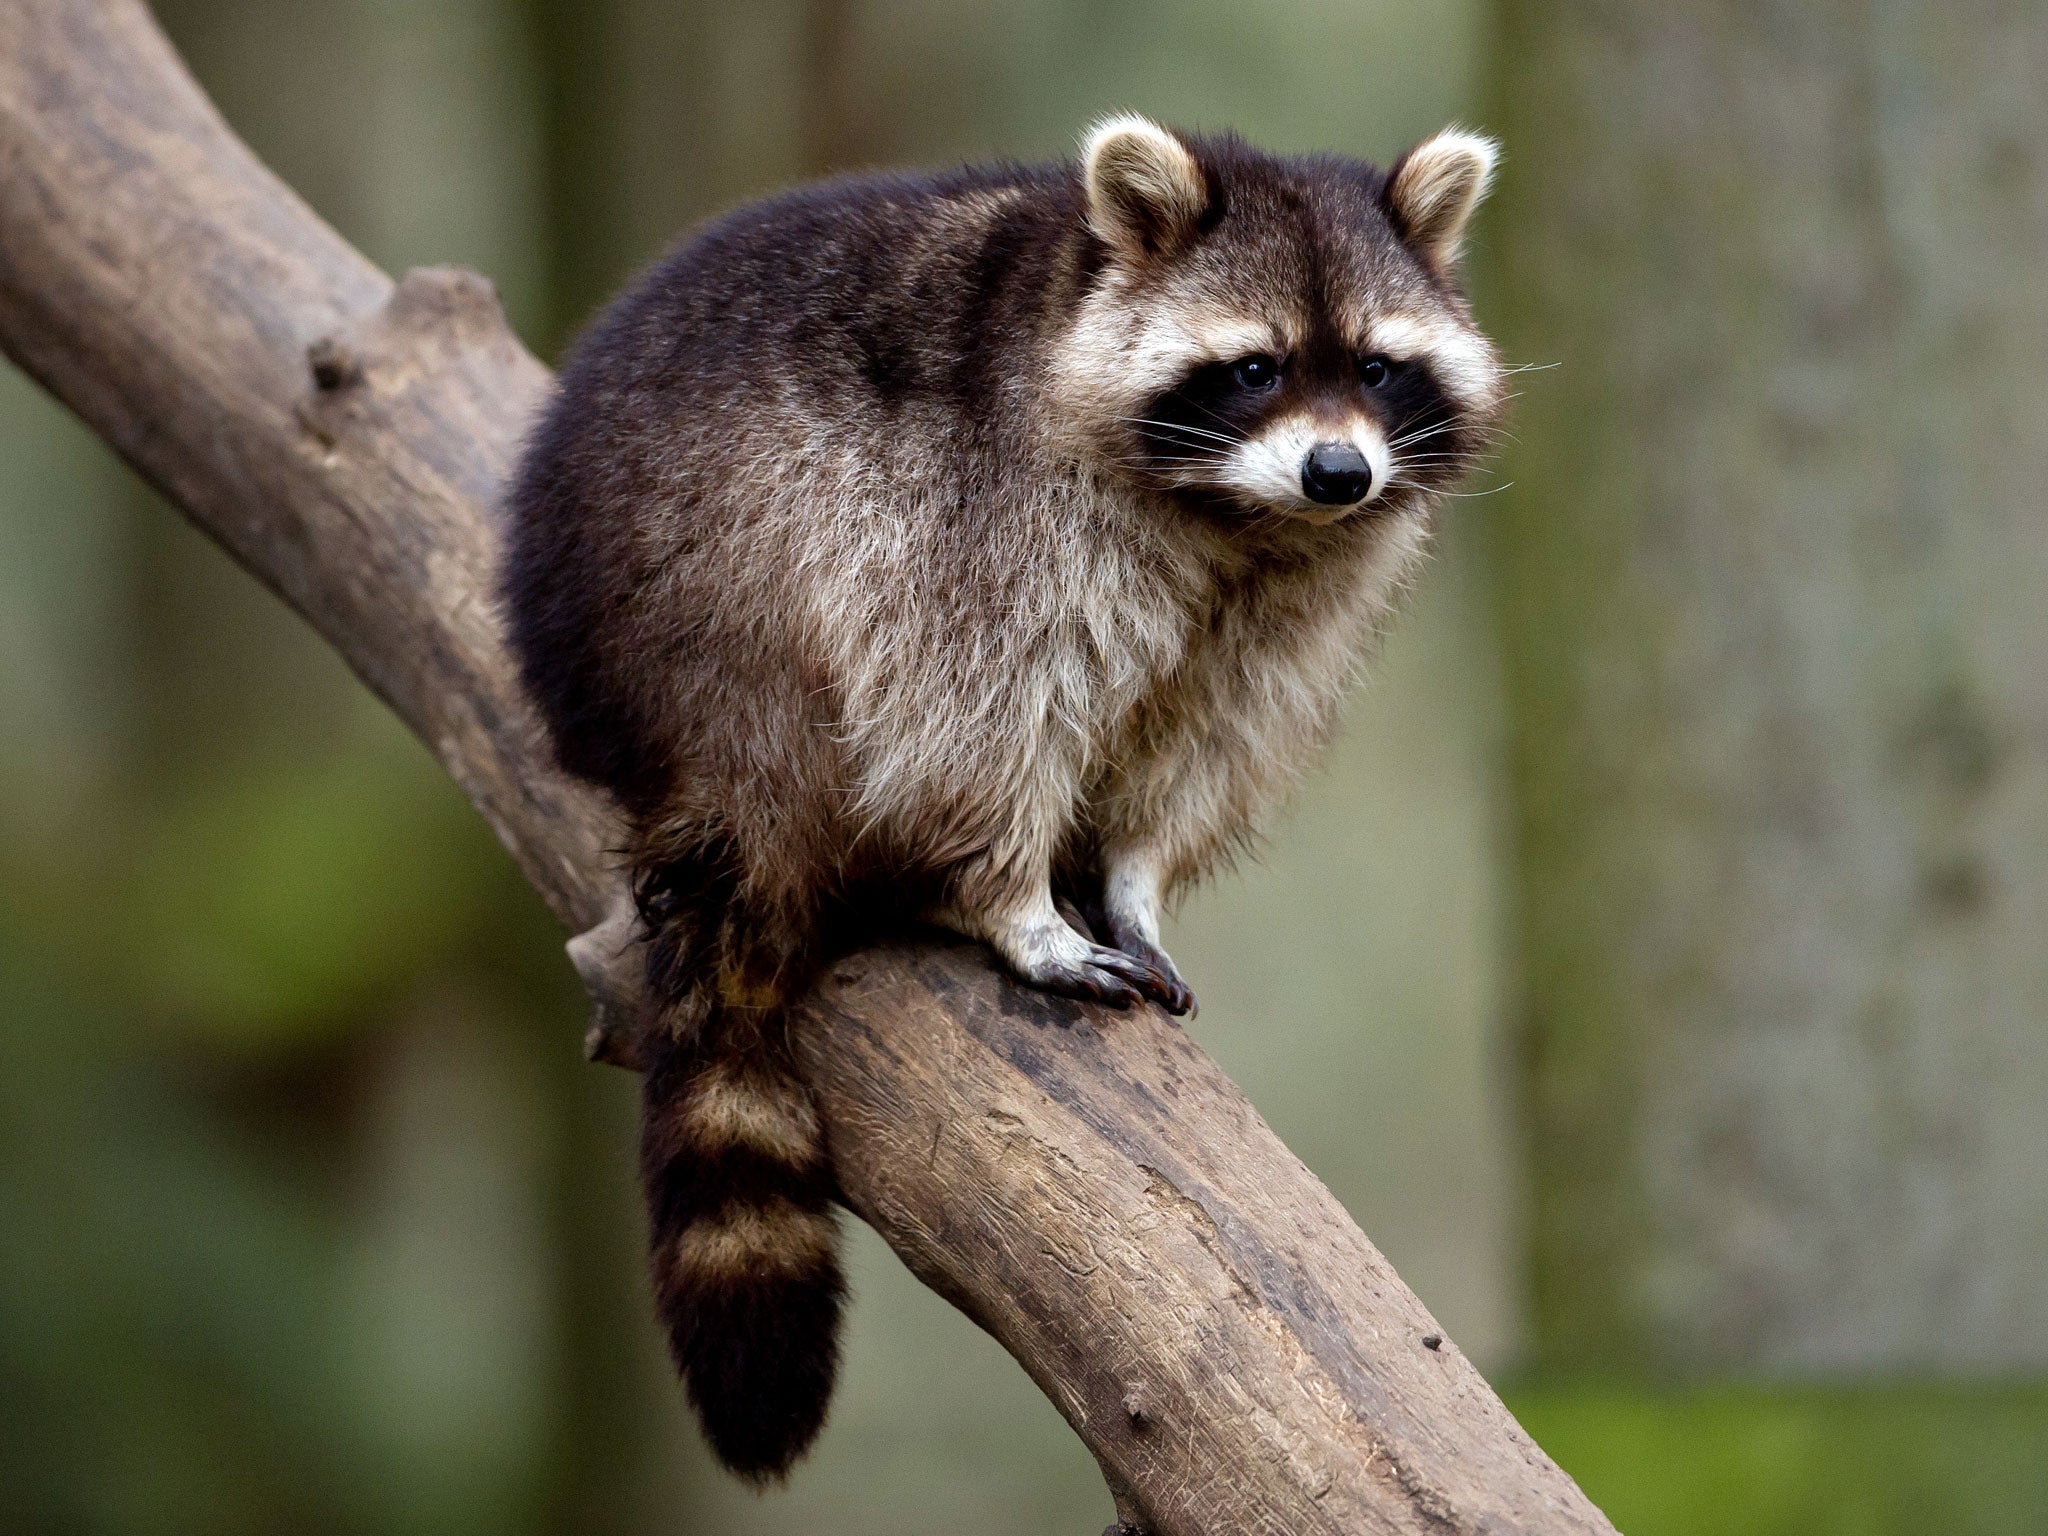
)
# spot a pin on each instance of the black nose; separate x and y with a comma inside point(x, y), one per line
point(1335, 474)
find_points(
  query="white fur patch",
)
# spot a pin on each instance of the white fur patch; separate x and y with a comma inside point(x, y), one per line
point(1119, 355)
point(1222, 338)
point(1459, 356)
point(1266, 469)
point(1172, 342)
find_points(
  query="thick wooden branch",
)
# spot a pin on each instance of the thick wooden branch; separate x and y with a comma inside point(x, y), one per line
point(1087, 1186)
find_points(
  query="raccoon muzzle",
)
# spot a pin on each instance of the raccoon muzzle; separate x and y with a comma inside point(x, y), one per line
point(743, 1244)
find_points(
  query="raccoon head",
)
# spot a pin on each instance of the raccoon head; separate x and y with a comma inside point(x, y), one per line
point(1265, 335)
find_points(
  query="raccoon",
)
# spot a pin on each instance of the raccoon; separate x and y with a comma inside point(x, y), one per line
point(988, 548)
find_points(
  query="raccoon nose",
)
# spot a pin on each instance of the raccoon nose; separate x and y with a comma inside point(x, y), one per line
point(1335, 474)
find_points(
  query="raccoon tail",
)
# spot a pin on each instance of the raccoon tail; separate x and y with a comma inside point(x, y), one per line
point(743, 1244)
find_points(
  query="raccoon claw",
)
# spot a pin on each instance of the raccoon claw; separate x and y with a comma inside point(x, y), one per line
point(1179, 998)
point(1102, 976)
point(1166, 987)
point(1141, 974)
point(1097, 974)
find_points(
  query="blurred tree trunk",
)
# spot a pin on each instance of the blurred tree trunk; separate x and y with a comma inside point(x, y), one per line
point(1777, 643)
point(656, 113)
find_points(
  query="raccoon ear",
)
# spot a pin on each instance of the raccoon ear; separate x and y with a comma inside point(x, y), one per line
point(1146, 193)
point(1433, 189)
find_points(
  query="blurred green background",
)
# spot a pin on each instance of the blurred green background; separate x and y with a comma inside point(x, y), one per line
point(1656, 973)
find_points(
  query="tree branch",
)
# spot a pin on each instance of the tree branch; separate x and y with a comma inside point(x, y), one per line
point(1089, 1187)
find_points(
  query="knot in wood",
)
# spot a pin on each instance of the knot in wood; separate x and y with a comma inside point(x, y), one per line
point(334, 364)
point(1136, 1411)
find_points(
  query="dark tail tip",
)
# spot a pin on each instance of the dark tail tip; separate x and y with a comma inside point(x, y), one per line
point(759, 1358)
point(744, 1255)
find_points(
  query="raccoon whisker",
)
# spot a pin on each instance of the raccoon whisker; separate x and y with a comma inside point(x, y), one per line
point(1199, 456)
point(1498, 439)
point(1420, 433)
point(1192, 453)
point(1205, 450)
point(1448, 464)
point(1194, 433)
point(1435, 463)
point(1530, 368)
point(1492, 490)
point(1436, 428)
point(1168, 464)
point(1206, 410)
point(1425, 433)
point(1181, 427)
point(1210, 441)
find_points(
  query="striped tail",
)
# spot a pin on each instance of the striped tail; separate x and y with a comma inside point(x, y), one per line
point(743, 1246)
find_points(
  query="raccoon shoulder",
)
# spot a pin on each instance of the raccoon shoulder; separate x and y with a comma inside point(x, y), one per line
point(862, 290)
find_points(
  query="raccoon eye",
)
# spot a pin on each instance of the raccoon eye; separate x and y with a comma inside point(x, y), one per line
point(1375, 371)
point(1256, 372)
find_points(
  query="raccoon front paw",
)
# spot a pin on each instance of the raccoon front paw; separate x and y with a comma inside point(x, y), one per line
point(1175, 995)
point(1066, 964)
point(1099, 975)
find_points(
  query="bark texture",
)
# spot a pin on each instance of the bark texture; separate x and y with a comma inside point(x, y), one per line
point(1775, 633)
point(1089, 1187)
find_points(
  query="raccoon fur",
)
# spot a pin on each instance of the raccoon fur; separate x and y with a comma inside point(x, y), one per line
point(989, 548)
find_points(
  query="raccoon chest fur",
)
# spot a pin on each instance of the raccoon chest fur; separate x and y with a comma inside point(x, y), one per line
point(992, 548)
point(992, 682)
